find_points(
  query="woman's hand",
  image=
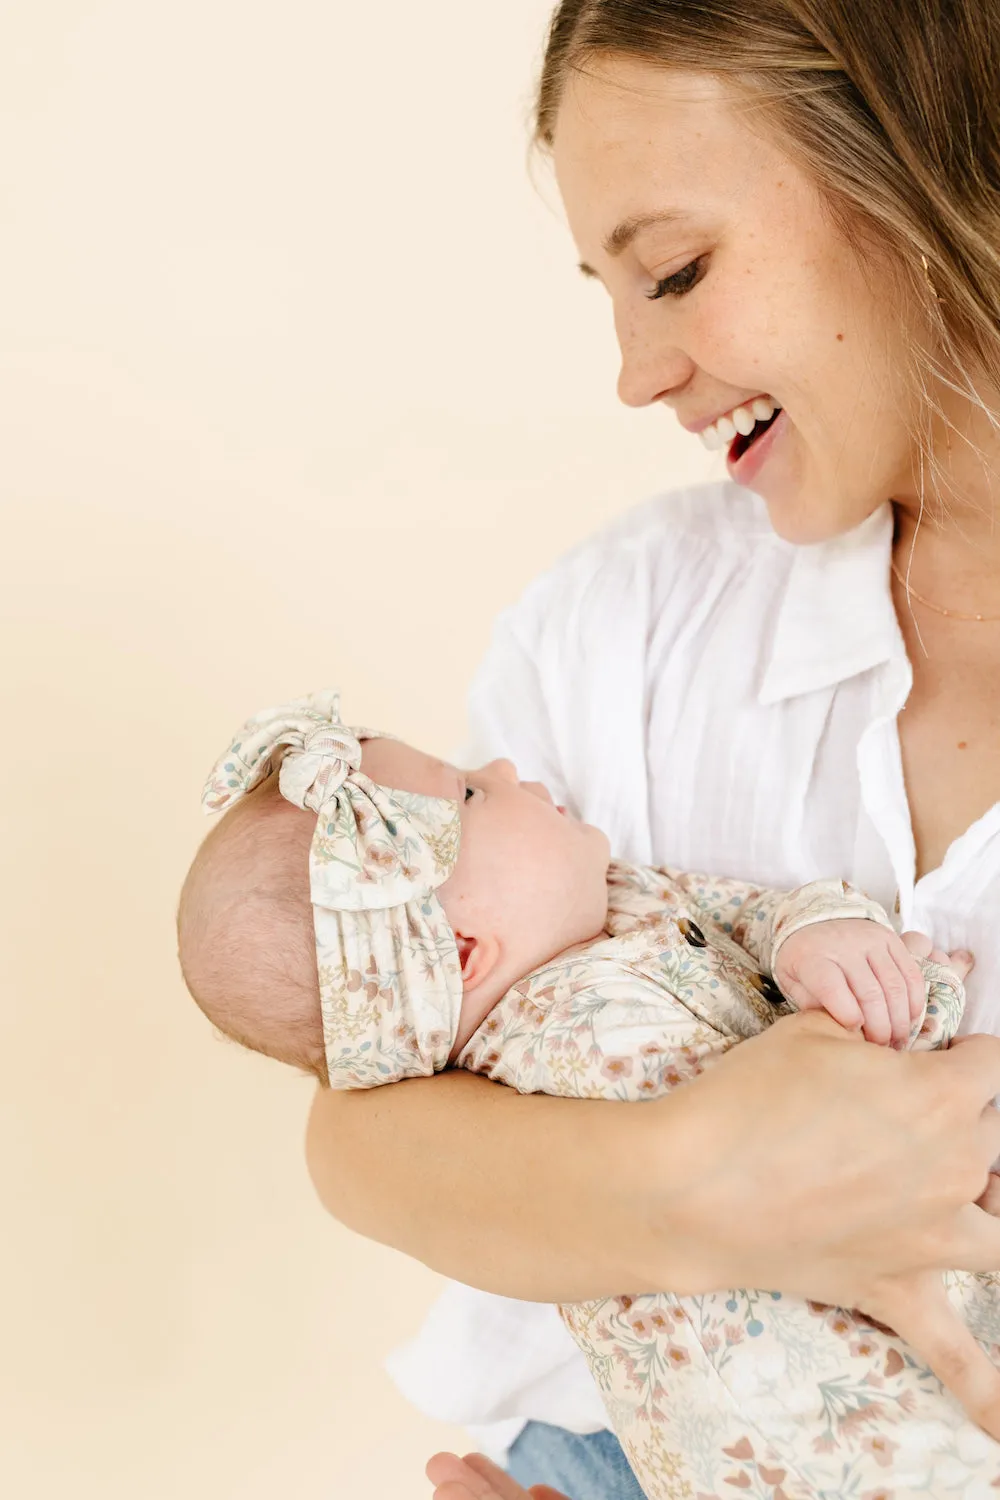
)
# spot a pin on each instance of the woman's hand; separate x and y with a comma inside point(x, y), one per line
point(475, 1478)
point(905, 1192)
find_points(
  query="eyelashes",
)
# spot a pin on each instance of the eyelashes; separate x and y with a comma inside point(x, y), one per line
point(681, 282)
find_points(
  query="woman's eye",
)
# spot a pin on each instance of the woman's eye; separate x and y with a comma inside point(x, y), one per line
point(680, 282)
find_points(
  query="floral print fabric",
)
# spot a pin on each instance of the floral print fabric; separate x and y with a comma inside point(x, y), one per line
point(737, 1392)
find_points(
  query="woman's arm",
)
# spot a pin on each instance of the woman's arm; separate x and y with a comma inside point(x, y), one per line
point(804, 1160)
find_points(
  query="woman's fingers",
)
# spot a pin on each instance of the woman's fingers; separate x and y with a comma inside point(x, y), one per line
point(917, 943)
point(475, 1477)
point(513, 1491)
point(918, 1309)
point(961, 961)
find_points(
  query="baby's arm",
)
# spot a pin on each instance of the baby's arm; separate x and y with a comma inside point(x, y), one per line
point(828, 946)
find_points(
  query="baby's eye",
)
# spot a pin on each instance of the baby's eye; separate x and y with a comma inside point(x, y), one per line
point(470, 792)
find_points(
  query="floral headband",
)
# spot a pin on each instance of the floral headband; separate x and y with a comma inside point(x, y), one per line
point(390, 979)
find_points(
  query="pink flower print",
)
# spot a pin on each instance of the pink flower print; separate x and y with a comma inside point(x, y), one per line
point(647, 1086)
point(733, 1333)
point(881, 1448)
point(711, 1342)
point(863, 1347)
point(617, 1067)
point(879, 1494)
point(742, 1450)
point(650, 1049)
point(894, 1362)
point(677, 1357)
point(841, 1323)
point(491, 1026)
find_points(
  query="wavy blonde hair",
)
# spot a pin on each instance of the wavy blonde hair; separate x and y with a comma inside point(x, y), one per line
point(890, 105)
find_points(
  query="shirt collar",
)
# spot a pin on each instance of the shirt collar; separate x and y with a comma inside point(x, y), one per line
point(837, 616)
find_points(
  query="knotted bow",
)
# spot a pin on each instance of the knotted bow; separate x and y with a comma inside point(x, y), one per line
point(389, 973)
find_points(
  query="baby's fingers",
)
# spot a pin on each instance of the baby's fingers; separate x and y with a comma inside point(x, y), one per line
point(893, 980)
point(822, 986)
point(867, 992)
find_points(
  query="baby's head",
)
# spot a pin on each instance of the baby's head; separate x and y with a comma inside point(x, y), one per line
point(528, 883)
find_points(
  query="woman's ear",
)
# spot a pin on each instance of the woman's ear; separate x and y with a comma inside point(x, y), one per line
point(479, 957)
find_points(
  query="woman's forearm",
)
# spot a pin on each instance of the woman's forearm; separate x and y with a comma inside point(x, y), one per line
point(526, 1195)
point(805, 1161)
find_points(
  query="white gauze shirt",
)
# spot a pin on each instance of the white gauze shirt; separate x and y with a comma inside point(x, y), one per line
point(716, 699)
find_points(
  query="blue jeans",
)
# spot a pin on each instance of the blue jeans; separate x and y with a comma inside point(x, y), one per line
point(592, 1467)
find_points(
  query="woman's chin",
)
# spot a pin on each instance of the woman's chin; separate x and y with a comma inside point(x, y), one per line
point(807, 519)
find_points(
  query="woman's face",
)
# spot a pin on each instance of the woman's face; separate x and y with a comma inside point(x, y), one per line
point(670, 175)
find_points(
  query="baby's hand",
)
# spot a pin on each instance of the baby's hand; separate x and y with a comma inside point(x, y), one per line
point(862, 974)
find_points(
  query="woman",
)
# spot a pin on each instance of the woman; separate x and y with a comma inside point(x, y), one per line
point(794, 208)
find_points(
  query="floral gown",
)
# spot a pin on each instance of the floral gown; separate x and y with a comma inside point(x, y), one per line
point(737, 1392)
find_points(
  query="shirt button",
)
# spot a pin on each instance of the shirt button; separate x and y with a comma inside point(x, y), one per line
point(691, 933)
point(770, 991)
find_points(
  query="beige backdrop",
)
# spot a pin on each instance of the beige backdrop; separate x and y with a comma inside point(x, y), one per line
point(298, 387)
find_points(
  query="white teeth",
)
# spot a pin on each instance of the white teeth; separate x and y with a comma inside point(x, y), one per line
point(742, 420)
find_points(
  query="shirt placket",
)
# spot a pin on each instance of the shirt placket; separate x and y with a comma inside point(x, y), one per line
point(885, 851)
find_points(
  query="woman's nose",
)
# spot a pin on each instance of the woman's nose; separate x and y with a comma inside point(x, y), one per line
point(652, 367)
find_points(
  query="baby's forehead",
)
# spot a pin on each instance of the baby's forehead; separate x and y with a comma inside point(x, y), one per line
point(404, 768)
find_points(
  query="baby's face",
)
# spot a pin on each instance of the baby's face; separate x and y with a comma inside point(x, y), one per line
point(528, 871)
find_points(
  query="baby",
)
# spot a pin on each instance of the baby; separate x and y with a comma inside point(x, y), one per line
point(370, 913)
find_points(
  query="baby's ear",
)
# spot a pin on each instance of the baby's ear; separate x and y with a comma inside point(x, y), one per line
point(479, 958)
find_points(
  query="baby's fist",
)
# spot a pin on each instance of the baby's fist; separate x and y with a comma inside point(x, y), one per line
point(861, 973)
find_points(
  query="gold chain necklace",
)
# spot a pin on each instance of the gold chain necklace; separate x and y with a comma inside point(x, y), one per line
point(950, 614)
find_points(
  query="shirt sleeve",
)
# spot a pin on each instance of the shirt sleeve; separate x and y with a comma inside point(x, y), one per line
point(761, 920)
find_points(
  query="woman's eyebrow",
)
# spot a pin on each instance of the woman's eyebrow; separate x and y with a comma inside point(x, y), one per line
point(618, 241)
point(624, 233)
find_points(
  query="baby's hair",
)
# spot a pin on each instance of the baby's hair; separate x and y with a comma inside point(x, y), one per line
point(245, 932)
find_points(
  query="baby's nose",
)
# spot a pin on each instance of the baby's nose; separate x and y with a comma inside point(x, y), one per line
point(505, 769)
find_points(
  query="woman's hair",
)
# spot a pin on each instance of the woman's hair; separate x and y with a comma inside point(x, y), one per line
point(890, 105)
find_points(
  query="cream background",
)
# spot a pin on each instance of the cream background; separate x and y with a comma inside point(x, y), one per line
point(282, 312)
